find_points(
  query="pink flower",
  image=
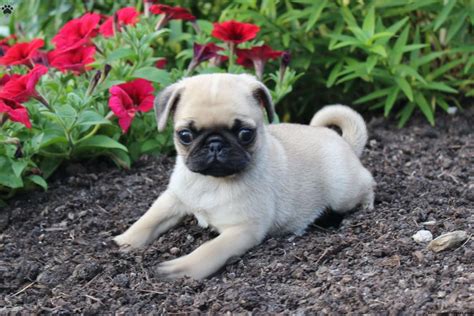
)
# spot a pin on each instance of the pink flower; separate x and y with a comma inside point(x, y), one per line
point(77, 32)
point(205, 52)
point(161, 63)
point(170, 13)
point(125, 16)
point(21, 53)
point(257, 57)
point(128, 98)
point(21, 88)
point(235, 32)
point(75, 60)
point(15, 111)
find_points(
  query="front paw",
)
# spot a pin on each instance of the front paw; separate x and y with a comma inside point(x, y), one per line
point(127, 242)
point(177, 268)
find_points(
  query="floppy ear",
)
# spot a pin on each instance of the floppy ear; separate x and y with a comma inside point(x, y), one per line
point(261, 94)
point(165, 103)
point(264, 98)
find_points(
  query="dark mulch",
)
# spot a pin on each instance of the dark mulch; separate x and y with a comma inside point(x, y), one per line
point(56, 255)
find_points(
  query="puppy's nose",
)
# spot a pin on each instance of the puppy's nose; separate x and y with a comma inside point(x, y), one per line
point(215, 144)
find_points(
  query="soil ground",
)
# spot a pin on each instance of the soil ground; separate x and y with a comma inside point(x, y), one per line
point(56, 255)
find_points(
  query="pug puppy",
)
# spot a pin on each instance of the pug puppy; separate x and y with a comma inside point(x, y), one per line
point(246, 179)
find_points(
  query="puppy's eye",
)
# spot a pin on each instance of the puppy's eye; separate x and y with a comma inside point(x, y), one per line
point(185, 136)
point(246, 135)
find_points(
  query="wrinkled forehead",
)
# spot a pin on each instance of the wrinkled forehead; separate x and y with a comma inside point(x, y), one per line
point(216, 101)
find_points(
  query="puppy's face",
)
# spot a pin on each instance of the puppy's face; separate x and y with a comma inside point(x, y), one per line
point(218, 121)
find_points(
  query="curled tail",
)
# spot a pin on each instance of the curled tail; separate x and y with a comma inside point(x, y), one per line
point(349, 121)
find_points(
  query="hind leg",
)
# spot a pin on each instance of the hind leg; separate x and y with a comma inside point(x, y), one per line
point(368, 200)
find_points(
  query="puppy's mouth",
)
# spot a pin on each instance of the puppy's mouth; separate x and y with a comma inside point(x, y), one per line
point(218, 166)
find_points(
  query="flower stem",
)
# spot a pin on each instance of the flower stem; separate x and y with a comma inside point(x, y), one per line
point(96, 128)
point(231, 55)
point(43, 101)
point(163, 20)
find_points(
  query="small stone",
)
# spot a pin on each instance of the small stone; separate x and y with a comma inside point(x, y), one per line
point(452, 110)
point(418, 255)
point(121, 280)
point(174, 250)
point(448, 241)
point(429, 223)
point(423, 236)
point(86, 271)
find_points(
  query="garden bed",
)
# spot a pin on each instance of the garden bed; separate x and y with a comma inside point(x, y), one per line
point(56, 254)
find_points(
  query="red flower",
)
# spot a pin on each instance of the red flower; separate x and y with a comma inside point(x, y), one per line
point(21, 53)
point(77, 32)
point(21, 88)
point(6, 40)
point(4, 80)
point(235, 32)
point(246, 57)
point(15, 111)
point(161, 63)
point(128, 98)
point(75, 60)
point(205, 52)
point(5, 44)
point(125, 16)
point(172, 13)
point(257, 57)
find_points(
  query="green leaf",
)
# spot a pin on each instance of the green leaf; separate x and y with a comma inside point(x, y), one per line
point(381, 35)
point(91, 118)
point(101, 141)
point(368, 25)
point(153, 74)
point(439, 86)
point(424, 107)
point(404, 70)
point(405, 114)
point(397, 51)
point(443, 69)
point(121, 53)
point(121, 158)
point(405, 86)
point(417, 62)
point(442, 103)
point(456, 26)
point(316, 11)
point(390, 101)
point(39, 181)
point(378, 49)
point(334, 74)
point(409, 48)
point(374, 95)
point(348, 17)
point(394, 29)
point(370, 63)
point(344, 41)
point(7, 175)
point(359, 34)
point(49, 165)
point(443, 15)
point(205, 26)
point(18, 166)
point(150, 145)
point(67, 114)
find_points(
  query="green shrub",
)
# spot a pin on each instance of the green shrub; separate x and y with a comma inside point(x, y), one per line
point(87, 90)
point(393, 55)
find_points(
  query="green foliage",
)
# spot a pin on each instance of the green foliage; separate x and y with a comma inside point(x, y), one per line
point(73, 120)
point(395, 55)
